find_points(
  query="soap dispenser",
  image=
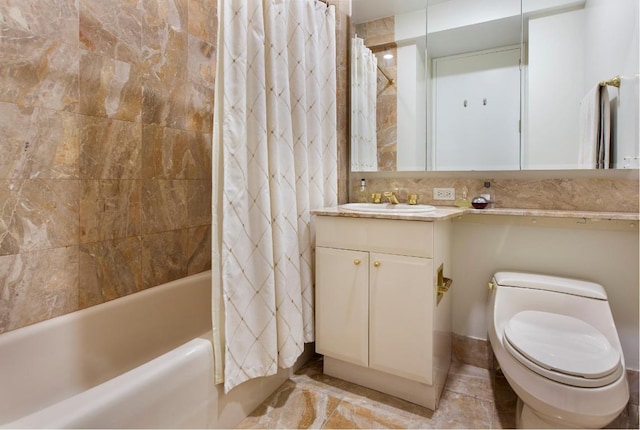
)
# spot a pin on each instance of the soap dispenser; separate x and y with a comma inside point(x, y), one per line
point(361, 196)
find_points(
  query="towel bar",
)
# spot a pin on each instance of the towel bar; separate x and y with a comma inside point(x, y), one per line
point(614, 82)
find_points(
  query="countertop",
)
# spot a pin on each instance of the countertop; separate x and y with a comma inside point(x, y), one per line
point(448, 212)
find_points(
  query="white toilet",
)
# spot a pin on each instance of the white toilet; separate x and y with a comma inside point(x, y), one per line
point(557, 345)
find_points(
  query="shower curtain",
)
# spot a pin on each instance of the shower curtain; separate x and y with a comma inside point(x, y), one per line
point(275, 159)
point(364, 79)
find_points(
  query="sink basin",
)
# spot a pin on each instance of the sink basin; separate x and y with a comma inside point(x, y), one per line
point(401, 208)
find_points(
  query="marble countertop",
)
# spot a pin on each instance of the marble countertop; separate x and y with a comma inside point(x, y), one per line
point(447, 212)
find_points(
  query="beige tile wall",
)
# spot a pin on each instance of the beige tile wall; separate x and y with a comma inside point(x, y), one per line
point(522, 190)
point(105, 170)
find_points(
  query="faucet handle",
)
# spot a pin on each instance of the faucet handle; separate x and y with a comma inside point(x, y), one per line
point(412, 199)
point(376, 198)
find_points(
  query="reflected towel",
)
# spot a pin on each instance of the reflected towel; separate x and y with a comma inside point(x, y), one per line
point(595, 129)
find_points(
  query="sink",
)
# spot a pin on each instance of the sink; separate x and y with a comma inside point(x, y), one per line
point(401, 208)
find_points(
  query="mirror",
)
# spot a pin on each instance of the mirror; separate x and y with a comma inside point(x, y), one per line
point(493, 84)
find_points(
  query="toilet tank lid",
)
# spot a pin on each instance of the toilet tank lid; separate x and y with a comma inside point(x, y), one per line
point(551, 283)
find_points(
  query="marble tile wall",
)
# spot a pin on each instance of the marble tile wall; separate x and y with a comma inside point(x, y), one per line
point(581, 194)
point(105, 171)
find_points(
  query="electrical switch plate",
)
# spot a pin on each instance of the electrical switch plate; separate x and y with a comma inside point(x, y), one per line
point(444, 194)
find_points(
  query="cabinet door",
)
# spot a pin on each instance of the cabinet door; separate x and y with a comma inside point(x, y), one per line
point(401, 316)
point(342, 304)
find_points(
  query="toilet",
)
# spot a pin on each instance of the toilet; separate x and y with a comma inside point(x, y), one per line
point(556, 343)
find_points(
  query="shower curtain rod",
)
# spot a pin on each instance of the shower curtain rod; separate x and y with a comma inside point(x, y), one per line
point(614, 82)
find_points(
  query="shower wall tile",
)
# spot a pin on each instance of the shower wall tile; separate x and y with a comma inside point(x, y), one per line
point(37, 214)
point(165, 102)
point(164, 205)
point(109, 209)
point(36, 286)
point(198, 202)
point(110, 88)
point(164, 257)
point(106, 129)
point(202, 62)
point(165, 152)
point(164, 39)
point(109, 270)
point(199, 249)
point(58, 20)
point(203, 20)
point(38, 143)
point(199, 108)
point(112, 29)
point(41, 72)
point(109, 148)
point(200, 145)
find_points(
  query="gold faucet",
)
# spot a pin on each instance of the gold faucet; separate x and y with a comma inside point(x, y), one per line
point(391, 197)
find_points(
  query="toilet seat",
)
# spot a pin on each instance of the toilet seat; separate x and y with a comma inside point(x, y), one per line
point(562, 348)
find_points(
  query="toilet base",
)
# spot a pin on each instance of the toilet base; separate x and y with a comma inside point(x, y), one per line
point(526, 418)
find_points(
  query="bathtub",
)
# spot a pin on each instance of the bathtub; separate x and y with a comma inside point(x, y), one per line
point(140, 361)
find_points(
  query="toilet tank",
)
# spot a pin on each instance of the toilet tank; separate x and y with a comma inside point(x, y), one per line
point(555, 284)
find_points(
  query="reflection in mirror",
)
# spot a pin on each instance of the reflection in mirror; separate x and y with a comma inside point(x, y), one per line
point(571, 48)
point(394, 35)
point(473, 49)
point(452, 99)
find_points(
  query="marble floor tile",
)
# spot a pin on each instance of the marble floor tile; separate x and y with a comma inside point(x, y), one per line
point(292, 407)
point(473, 398)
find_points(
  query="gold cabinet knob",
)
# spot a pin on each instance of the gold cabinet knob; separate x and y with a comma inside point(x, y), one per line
point(356, 262)
point(376, 264)
point(490, 285)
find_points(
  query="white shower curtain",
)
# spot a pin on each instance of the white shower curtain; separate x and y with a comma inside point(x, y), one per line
point(275, 159)
point(364, 80)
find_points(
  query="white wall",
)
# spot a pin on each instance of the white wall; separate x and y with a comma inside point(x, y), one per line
point(483, 245)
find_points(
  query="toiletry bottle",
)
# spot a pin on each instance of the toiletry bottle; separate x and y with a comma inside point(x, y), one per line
point(488, 195)
point(464, 202)
point(361, 196)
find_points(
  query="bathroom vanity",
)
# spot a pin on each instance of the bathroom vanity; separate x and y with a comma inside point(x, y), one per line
point(383, 315)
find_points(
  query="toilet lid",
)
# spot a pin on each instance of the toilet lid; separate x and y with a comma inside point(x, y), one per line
point(562, 345)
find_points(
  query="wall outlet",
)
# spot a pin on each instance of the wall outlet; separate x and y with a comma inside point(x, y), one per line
point(444, 194)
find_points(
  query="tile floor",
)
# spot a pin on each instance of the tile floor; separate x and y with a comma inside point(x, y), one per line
point(310, 399)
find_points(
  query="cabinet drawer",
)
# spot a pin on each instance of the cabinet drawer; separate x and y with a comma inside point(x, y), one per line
point(414, 238)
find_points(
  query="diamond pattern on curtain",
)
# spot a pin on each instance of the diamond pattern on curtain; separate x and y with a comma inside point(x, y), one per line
point(275, 146)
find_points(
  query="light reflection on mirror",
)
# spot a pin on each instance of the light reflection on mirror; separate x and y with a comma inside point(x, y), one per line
point(451, 99)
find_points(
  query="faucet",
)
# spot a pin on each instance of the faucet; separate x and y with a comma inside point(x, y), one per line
point(391, 197)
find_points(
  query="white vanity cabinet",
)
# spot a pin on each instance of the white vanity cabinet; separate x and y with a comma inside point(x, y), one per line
point(380, 321)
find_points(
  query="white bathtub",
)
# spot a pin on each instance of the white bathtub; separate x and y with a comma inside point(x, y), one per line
point(141, 361)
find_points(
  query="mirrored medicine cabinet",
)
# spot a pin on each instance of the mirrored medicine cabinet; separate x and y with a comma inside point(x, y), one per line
point(491, 85)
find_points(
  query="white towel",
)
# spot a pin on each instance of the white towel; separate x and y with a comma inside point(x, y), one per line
point(595, 129)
